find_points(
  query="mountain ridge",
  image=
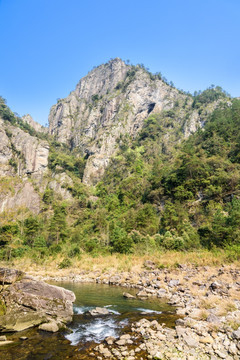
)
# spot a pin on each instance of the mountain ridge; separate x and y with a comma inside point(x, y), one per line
point(112, 101)
point(151, 152)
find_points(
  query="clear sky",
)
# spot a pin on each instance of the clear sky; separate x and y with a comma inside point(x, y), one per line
point(48, 45)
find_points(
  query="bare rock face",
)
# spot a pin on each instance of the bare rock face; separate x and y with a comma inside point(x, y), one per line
point(21, 156)
point(28, 303)
point(36, 126)
point(18, 194)
point(28, 153)
point(58, 184)
point(34, 151)
point(111, 101)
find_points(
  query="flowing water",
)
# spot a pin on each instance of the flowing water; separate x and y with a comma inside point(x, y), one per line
point(87, 330)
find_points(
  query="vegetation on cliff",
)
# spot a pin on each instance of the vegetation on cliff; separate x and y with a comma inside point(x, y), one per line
point(159, 192)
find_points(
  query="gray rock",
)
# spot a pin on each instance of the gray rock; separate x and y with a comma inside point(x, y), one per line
point(190, 341)
point(50, 327)
point(128, 296)
point(161, 293)
point(215, 286)
point(9, 276)
point(110, 340)
point(142, 294)
point(29, 303)
point(149, 264)
point(236, 334)
point(213, 319)
point(173, 283)
point(121, 342)
point(98, 311)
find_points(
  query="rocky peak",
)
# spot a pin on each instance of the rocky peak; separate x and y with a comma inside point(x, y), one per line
point(111, 101)
point(36, 126)
point(101, 80)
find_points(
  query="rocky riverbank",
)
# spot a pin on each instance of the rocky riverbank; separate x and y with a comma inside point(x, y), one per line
point(26, 302)
point(207, 301)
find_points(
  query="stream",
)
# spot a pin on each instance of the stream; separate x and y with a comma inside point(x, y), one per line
point(85, 330)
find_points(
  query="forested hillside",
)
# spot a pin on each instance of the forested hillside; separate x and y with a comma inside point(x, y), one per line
point(158, 192)
point(166, 173)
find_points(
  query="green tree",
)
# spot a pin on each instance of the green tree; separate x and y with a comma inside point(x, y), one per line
point(58, 224)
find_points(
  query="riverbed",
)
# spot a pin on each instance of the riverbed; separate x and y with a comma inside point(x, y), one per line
point(86, 331)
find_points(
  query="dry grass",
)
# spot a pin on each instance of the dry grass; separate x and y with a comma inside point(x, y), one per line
point(226, 306)
point(234, 324)
point(203, 315)
point(210, 302)
point(120, 262)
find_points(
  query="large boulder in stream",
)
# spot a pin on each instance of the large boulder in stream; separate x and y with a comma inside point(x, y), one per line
point(98, 311)
point(26, 302)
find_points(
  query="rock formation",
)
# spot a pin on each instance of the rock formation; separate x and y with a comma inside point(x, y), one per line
point(29, 154)
point(25, 302)
point(108, 106)
point(36, 126)
point(111, 102)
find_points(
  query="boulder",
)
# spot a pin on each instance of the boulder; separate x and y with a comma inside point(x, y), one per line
point(173, 282)
point(150, 265)
point(20, 320)
point(142, 294)
point(215, 286)
point(236, 334)
point(213, 319)
point(5, 342)
point(128, 296)
point(52, 326)
point(28, 303)
point(98, 311)
point(9, 276)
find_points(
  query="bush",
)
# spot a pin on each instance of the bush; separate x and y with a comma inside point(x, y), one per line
point(66, 263)
point(91, 245)
point(74, 252)
point(171, 242)
point(120, 241)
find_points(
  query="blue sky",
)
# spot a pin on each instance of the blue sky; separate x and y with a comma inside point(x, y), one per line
point(48, 45)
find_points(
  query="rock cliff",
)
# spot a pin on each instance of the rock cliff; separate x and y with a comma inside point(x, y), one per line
point(21, 152)
point(36, 126)
point(21, 155)
point(110, 103)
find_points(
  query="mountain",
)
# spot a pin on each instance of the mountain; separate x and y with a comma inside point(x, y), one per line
point(128, 163)
point(112, 102)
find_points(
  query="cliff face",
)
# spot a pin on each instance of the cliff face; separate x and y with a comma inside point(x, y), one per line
point(111, 102)
point(36, 126)
point(21, 155)
point(20, 152)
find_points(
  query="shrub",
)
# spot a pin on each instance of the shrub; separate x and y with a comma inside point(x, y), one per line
point(171, 242)
point(66, 263)
point(120, 241)
point(74, 252)
point(91, 245)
